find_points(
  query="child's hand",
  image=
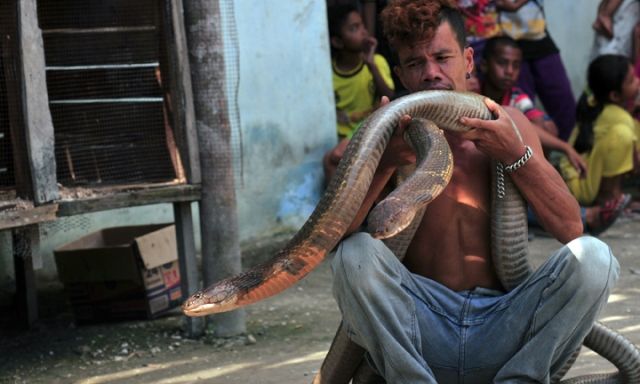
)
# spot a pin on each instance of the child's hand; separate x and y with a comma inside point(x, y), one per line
point(369, 46)
point(577, 161)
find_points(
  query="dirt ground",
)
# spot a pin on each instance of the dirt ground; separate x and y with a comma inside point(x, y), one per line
point(287, 336)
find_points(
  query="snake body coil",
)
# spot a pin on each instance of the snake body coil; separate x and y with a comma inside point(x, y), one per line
point(338, 207)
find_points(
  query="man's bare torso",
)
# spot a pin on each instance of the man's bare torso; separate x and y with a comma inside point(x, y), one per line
point(453, 244)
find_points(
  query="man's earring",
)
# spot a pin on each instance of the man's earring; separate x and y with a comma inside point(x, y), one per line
point(468, 75)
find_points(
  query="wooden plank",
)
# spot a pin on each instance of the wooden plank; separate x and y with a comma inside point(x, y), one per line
point(180, 95)
point(194, 326)
point(13, 82)
point(27, 299)
point(39, 137)
point(83, 49)
point(14, 217)
point(54, 14)
point(122, 199)
point(103, 83)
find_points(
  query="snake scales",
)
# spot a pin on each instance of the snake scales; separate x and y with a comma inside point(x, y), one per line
point(337, 208)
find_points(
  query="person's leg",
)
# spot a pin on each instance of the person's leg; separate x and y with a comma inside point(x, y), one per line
point(526, 81)
point(554, 90)
point(566, 295)
point(379, 313)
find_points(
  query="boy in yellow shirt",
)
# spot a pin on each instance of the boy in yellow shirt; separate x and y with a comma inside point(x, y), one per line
point(360, 76)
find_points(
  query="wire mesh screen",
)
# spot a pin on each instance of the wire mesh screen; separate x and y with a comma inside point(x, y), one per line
point(232, 76)
point(6, 153)
point(104, 83)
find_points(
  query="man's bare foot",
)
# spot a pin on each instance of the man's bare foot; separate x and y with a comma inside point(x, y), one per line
point(604, 26)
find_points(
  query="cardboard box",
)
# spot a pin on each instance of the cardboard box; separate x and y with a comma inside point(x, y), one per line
point(121, 273)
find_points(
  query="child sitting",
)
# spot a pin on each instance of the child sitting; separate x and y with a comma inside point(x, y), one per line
point(500, 68)
point(605, 135)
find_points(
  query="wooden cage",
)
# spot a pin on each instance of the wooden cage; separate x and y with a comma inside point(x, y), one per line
point(96, 113)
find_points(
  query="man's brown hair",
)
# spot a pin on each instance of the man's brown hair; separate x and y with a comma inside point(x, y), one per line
point(409, 21)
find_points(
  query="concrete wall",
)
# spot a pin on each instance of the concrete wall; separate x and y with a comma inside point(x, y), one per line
point(286, 108)
point(286, 115)
point(569, 22)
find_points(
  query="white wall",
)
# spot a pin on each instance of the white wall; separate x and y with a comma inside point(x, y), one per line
point(569, 22)
point(287, 111)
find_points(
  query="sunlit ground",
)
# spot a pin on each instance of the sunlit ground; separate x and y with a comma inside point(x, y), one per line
point(201, 369)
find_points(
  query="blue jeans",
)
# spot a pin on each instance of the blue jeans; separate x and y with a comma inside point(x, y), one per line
point(416, 330)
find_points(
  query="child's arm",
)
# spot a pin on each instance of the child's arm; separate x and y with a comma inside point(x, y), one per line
point(604, 19)
point(609, 7)
point(549, 141)
point(382, 89)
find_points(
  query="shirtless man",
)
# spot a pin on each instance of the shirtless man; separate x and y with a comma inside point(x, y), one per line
point(443, 317)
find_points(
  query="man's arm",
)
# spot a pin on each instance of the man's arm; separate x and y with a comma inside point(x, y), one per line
point(544, 189)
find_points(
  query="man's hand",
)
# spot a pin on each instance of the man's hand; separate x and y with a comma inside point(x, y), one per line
point(398, 152)
point(499, 138)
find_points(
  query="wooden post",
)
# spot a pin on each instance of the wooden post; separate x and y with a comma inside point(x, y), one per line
point(31, 125)
point(218, 211)
point(181, 103)
point(27, 299)
point(194, 326)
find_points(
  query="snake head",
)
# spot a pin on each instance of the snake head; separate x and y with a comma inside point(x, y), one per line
point(389, 218)
point(215, 299)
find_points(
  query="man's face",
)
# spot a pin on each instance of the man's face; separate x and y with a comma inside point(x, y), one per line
point(435, 64)
point(503, 67)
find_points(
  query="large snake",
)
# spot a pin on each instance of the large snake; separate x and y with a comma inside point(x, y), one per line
point(338, 206)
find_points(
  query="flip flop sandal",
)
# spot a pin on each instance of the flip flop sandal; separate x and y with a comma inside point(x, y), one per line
point(609, 213)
